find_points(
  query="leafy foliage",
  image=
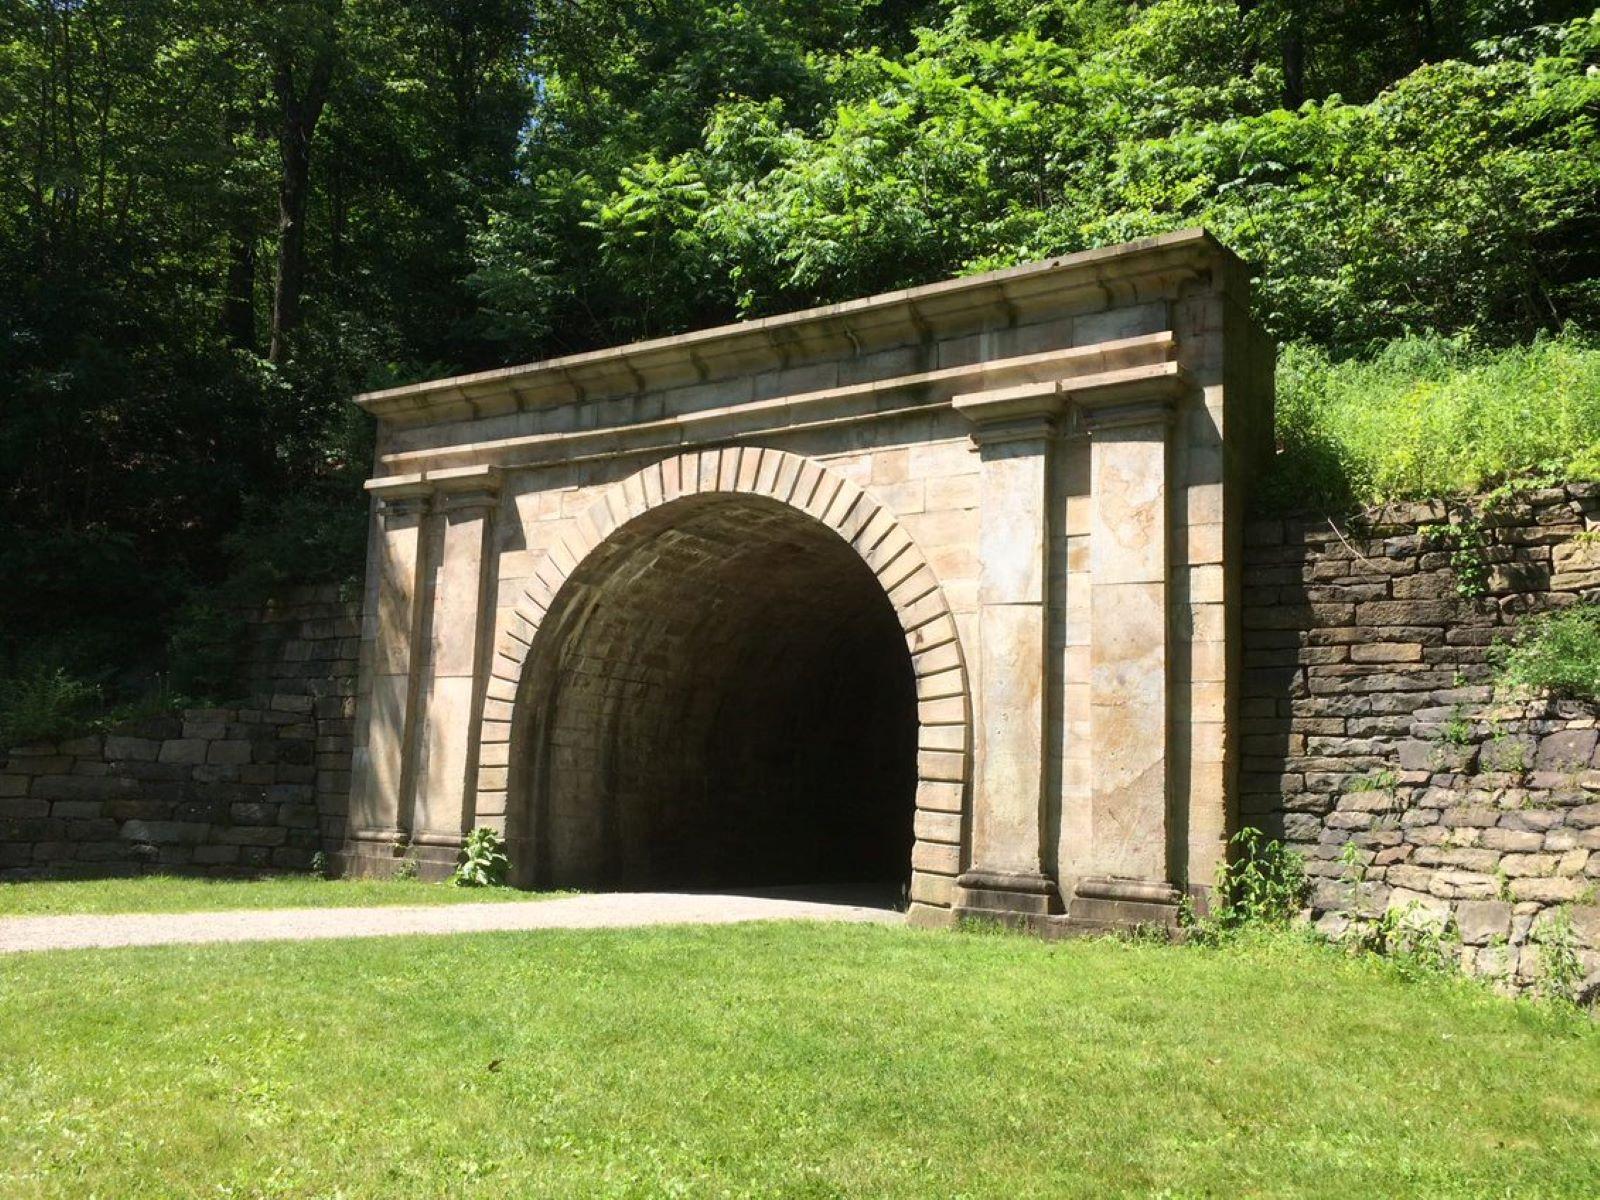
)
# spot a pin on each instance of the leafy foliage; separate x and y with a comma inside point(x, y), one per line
point(1431, 417)
point(1261, 885)
point(217, 222)
point(1561, 973)
point(1557, 654)
point(483, 860)
point(44, 704)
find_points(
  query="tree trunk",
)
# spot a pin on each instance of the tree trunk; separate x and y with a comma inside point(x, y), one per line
point(1294, 65)
point(299, 111)
point(239, 302)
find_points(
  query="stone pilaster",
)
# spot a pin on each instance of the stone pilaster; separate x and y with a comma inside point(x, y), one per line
point(1130, 684)
point(383, 766)
point(1016, 431)
point(465, 501)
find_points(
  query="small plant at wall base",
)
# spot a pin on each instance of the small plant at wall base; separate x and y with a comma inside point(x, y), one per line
point(45, 705)
point(1557, 654)
point(1416, 941)
point(1263, 884)
point(1560, 970)
point(408, 869)
point(483, 860)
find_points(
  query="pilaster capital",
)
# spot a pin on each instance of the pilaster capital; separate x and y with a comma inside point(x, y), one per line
point(1134, 396)
point(450, 489)
point(1152, 412)
point(464, 488)
point(1026, 412)
point(400, 496)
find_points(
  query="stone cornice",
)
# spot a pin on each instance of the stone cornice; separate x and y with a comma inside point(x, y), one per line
point(876, 399)
point(449, 488)
point(1131, 395)
point(1138, 271)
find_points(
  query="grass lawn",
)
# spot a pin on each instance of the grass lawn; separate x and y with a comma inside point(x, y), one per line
point(778, 1059)
point(170, 893)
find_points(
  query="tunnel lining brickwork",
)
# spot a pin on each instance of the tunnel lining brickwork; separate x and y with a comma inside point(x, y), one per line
point(854, 580)
point(721, 697)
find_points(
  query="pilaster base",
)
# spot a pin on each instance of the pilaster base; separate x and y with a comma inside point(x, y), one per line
point(383, 853)
point(1106, 904)
point(1016, 898)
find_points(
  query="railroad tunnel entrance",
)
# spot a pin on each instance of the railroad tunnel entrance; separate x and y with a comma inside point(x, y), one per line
point(720, 697)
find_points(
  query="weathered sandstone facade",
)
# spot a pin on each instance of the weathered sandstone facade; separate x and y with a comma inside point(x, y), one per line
point(939, 586)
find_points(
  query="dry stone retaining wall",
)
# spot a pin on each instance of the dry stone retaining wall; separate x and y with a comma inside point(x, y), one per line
point(262, 785)
point(1368, 720)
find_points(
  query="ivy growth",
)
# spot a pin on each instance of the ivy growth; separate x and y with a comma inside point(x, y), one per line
point(1467, 545)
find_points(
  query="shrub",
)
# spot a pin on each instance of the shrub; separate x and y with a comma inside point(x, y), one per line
point(1412, 939)
point(45, 705)
point(1557, 654)
point(1264, 884)
point(483, 860)
point(1560, 969)
point(204, 650)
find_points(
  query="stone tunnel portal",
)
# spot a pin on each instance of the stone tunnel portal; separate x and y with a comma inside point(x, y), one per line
point(722, 696)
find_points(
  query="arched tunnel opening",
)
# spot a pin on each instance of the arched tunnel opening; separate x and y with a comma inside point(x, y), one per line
point(720, 697)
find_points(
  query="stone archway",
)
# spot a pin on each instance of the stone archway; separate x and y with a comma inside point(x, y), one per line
point(740, 672)
point(1037, 476)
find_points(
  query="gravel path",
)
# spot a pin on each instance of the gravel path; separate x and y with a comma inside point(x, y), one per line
point(601, 911)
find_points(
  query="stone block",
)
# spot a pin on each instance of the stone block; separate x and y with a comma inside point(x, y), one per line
point(1566, 750)
point(184, 750)
point(1470, 817)
point(84, 787)
point(77, 808)
point(1551, 890)
point(1520, 840)
point(228, 753)
point(298, 816)
point(1482, 921)
point(161, 832)
point(1463, 885)
point(252, 835)
point(1378, 613)
point(1386, 652)
point(136, 749)
point(207, 727)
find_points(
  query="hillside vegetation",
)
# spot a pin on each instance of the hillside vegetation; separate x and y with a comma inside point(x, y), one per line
point(1429, 417)
point(218, 221)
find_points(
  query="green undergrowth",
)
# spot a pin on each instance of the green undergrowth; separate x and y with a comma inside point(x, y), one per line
point(1432, 417)
point(1557, 654)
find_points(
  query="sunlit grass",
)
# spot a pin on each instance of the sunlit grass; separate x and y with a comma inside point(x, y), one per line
point(168, 893)
point(779, 1060)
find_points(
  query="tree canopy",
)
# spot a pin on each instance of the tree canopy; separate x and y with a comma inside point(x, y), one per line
point(217, 221)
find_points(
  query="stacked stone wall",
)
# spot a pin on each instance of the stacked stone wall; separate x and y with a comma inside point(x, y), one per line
point(262, 785)
point(1374, 742)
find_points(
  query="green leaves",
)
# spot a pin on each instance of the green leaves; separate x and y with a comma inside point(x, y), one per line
point(483, 860)
point(1557, 654)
